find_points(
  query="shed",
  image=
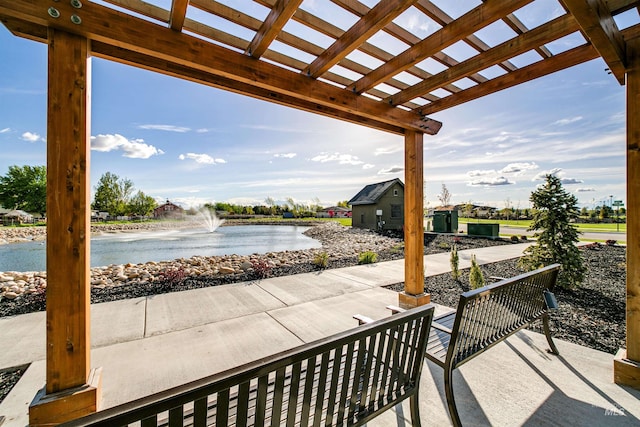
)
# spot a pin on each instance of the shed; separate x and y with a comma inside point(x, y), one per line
point(379, 206)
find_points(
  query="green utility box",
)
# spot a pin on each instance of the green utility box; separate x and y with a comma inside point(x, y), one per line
point(445, 221)
point(483, 230)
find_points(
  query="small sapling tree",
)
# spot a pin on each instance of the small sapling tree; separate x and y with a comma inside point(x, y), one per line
point(476, 278)
point(455, 263)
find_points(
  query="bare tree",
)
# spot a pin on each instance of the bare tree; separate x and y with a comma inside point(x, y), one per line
point(444, 196)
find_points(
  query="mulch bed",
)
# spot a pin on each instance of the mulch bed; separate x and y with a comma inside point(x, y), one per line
point(592, 315)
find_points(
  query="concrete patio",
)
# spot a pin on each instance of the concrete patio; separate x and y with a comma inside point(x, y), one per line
point(146, 345)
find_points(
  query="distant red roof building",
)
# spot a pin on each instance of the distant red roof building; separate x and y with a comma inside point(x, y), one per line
point(168, 210)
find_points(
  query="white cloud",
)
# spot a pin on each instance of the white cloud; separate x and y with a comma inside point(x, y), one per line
point(286, 155)
point(31, 137)
point(491, 182)
point(542, 175)
point(342, 159)
point(391, 170)
point(132, 148)
point(367, 166)
point(585, 189)
point(5, 130)
point(563, 122)
point(518, 168)
point(166, 128)
point(202, 130)
point(474, 173)
point(571, 181)
point(204, 159)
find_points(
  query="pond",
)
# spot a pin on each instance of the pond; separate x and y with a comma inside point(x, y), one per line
point(166, 245)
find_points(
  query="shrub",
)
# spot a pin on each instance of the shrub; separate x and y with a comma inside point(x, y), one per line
point(397, 249)
point(476, 278)
point(611, 242)
point(455, 263)
point(367, 257)
point(321, 260)
point(514, 239)
point(261, 268)
point(172, 277)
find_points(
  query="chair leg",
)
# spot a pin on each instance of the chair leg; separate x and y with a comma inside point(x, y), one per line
point(547, 333)
point(414, 404)
point(451, 403)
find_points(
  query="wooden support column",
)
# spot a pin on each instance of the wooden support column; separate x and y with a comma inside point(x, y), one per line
point(626, 365)
point(413, 294)
point(72, 389)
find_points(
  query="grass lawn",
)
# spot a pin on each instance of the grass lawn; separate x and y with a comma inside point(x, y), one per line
point(593, 228)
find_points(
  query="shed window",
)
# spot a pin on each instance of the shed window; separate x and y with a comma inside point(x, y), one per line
point(396, 211)
point(395, 191)
point(361, 218)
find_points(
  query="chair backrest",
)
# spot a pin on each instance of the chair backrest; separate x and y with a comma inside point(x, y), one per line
point(347, 378)
point(491, 313)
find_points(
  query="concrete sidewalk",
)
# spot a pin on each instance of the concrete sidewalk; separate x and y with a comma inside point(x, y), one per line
point(146, 345)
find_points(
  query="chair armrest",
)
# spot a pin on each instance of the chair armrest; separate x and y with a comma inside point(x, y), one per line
point(441, 328)
point(395, 309)
point(362, 320)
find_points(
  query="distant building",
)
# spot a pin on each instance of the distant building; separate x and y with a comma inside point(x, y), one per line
point(334, 212)
point(16, 217)
point(379, 206)
point(169, 210)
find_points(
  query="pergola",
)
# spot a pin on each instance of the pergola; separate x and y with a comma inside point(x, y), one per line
point(350, 76)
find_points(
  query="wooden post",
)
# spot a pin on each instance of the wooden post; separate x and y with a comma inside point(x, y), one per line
point(626, 365)
point(413, 294)
point(71, 390)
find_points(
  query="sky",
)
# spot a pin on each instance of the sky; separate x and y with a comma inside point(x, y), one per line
point(194, 144)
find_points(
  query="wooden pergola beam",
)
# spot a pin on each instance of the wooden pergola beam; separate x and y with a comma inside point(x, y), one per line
point(538, 69)
point(118, 29)
point(377, 18)
point(413, 294)
point(457, 30)
point(279, 15)
point(553, 30)
point(596, 21)
point(178, 14)
point(626, 365)
point(71, 390)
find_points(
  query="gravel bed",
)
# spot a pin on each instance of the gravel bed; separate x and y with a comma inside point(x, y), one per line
point(592, 315)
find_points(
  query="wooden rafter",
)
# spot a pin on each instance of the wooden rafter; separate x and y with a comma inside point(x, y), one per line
point(555, 29)
point(619, 6)
point(440, 17)
point(597, 23)
point(538, 69)
point(178, 14)
point(467, 24)
point(120, 30)
point(379, 16)
point(268, 31)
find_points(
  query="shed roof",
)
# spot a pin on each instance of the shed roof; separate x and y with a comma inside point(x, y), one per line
point(371, 193)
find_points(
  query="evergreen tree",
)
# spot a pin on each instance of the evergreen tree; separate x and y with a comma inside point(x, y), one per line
point(554, 209)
